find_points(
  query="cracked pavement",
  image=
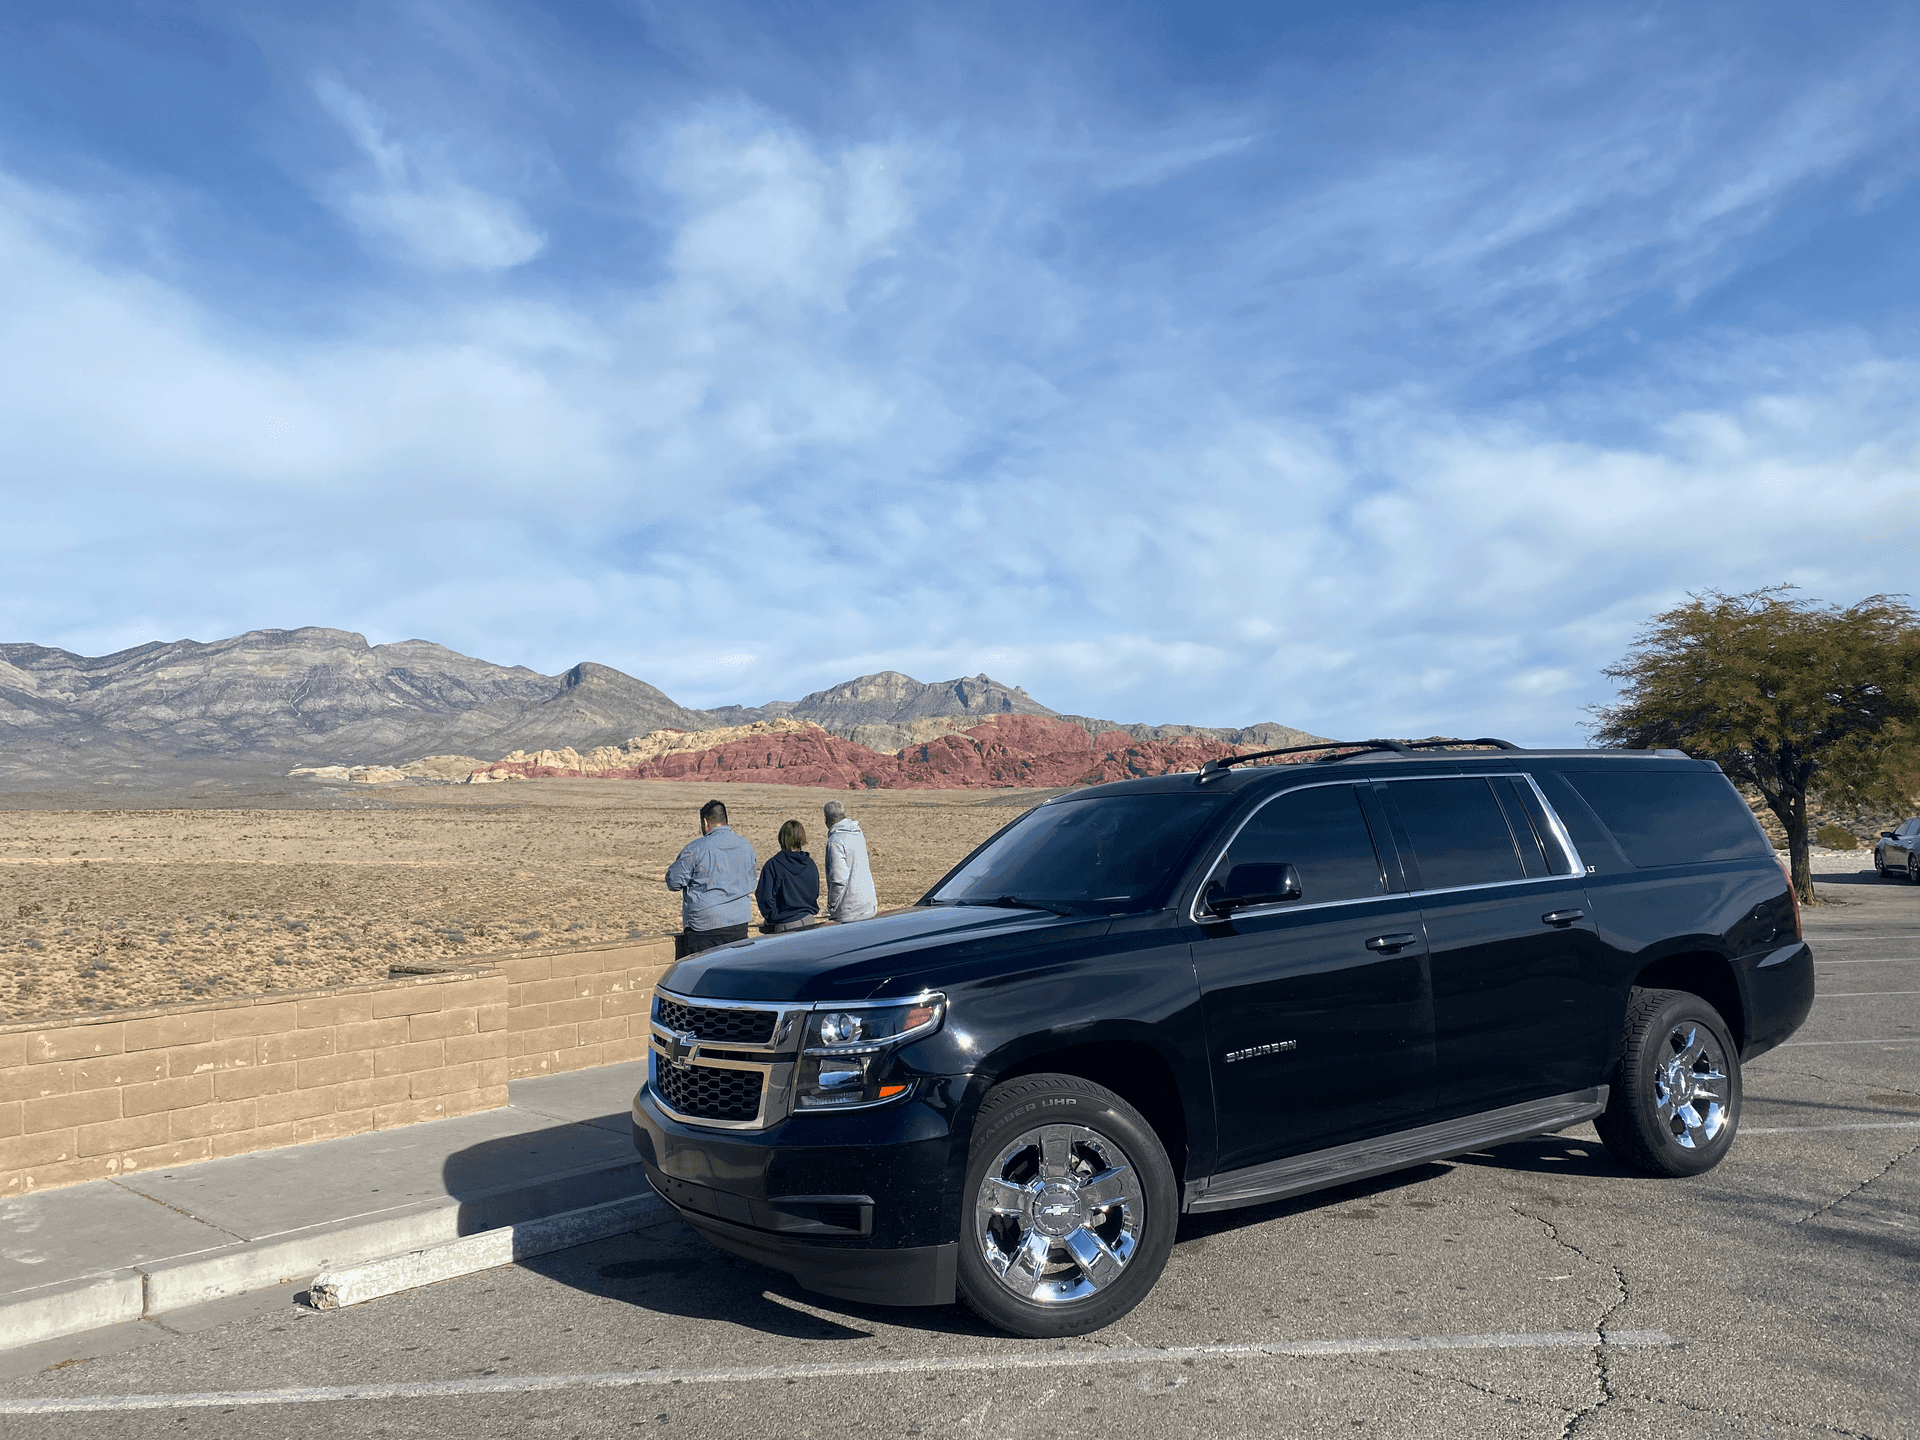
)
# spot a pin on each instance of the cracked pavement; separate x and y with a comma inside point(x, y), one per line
point(1787, 1275)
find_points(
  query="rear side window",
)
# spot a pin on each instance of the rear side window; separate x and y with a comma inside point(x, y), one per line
point(1322, 833)
point(1459, 832)
point(1540, 848)
point(1672, 817)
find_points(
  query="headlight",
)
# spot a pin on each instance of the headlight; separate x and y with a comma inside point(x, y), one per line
point(848, 1052)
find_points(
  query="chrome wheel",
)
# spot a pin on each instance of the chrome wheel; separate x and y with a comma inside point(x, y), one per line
point(1913, 869)
point(1690, 1087)
point(1059, 1214)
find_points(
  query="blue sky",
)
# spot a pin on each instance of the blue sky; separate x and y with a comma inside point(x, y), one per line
point(1373, 369)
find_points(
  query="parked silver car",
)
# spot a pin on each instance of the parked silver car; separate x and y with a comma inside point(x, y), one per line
point(1897, 852)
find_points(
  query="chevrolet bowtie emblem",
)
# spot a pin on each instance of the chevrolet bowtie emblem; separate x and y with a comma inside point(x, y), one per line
point(681, 1047)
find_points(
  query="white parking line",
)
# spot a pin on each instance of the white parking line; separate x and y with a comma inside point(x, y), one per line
point(1864, 994)
point(623, 1380)
point(1803, 1129)
point(1898, 1040)
point(1894, 960)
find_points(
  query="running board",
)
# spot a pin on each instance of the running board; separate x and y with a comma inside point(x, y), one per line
point(1298, 1174)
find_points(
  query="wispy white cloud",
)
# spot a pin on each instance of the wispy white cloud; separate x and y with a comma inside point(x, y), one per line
point(1166, 420)
point(409, 201)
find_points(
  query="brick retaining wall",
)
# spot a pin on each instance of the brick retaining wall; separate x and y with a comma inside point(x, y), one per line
point(90, 1096)
point(582, 1007)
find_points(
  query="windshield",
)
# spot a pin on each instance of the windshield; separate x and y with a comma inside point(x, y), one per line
point(1103, 856)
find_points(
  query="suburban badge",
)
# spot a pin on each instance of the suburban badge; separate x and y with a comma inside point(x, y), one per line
point(1253, 1052)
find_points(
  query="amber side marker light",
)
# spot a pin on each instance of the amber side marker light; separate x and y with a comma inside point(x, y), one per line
point(887, 1092)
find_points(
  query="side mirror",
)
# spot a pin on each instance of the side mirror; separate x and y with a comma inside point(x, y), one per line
point(1886, 834)
point(1249, 885)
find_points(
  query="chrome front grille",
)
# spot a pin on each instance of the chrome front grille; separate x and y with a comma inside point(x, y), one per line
point(706, 1092)
point(728, 1066)
point(712, 1022)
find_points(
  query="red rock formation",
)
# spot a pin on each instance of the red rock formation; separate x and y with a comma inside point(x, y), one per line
point(1009, 750)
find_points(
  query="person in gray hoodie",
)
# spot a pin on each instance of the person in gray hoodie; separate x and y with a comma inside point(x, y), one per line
point(714, 876)
point(849, 880)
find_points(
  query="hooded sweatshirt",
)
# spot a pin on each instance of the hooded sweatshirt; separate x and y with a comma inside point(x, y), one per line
point(849, 882)
point(789, 887)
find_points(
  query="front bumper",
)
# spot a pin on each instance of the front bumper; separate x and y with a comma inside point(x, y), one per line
point(861, 1206)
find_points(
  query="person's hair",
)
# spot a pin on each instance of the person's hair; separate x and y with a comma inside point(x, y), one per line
point(715, 811)
point(793, 836)
point(835, 812)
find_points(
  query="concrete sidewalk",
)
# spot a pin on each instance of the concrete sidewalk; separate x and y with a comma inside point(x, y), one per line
point(114, 1250)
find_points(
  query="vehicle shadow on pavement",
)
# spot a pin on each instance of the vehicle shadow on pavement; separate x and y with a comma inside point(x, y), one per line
point(1220, 1222)
point(1547, 1155)
point(1858, 877)
point(529, 1173)
point(1552, 1155)
point(665, 1267)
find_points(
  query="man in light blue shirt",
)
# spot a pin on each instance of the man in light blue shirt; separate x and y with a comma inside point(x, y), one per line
point(714, 876)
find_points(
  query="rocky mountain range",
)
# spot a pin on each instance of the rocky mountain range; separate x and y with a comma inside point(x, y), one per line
point(320, 696)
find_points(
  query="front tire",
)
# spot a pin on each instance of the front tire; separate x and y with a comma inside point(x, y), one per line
point(1675, 1103)
point(1070, 1208)
point(1913, 869)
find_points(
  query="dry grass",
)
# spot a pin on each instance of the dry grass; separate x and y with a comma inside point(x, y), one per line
point(109, 909)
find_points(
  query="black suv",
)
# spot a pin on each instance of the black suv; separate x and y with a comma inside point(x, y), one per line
point(1201, 991)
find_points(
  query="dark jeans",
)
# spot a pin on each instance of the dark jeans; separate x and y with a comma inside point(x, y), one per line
point(692, 942)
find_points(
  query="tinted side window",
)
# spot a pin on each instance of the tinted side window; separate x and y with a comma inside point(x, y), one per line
point(1540, 848)
point(1322, 833)
point(1459, 834)
point(1672, 817)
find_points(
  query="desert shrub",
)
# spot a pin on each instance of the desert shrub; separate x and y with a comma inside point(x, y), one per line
point(1832, 837)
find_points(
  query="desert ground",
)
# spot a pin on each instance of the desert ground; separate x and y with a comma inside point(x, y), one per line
point(108, 909)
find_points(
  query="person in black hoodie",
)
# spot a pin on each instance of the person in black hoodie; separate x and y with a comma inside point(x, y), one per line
point(789, 890)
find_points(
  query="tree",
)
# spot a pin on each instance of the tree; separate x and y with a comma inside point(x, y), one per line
point(1794, 697)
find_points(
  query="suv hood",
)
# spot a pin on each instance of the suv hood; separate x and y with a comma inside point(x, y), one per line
point(855, 961)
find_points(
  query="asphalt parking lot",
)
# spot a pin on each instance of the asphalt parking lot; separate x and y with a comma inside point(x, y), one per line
point(1773, 1296)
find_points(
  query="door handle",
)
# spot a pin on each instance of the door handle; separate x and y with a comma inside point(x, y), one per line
point(1563, 917)
point(1387, 944)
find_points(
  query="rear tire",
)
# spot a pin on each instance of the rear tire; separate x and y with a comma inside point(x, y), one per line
point(1675, 1103)
point(1070, 1208)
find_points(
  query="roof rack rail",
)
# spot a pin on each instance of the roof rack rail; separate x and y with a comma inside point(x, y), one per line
point(1354, 747)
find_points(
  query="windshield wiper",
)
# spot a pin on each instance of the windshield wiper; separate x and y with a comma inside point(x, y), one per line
point(1020, 902)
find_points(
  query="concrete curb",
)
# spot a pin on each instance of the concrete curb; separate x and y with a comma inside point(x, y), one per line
point(72, 1305)
point(471, 1254)
point(137, 1292)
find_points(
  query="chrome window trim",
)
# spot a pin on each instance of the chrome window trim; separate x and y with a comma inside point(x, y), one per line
point(1577, 872)
point(1580, 868)
point(1257, 912)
